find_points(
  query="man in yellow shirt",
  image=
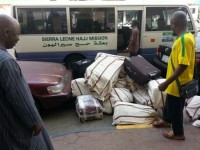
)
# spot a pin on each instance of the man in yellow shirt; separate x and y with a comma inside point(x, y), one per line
point(183, 58)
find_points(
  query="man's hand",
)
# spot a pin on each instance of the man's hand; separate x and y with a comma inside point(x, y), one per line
point(127, 49)
point(163, 86)
point(37, 129)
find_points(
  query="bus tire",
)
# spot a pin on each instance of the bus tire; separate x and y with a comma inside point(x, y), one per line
point(72, 58)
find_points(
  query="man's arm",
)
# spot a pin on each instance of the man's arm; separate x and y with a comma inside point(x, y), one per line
point(177, 72)
point(18, 95)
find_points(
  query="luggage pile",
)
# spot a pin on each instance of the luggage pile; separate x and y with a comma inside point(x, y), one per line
point(191, 111)
point(129, 94)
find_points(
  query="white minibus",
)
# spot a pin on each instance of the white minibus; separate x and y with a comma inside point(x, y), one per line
point(195, 11)
point(80, 29)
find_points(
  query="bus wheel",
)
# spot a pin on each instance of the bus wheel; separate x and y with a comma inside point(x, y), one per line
point(72, 58)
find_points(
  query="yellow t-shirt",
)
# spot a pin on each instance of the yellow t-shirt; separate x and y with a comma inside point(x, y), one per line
point(183, 52)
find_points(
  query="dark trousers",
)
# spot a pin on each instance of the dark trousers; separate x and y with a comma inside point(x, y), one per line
point(173, 113)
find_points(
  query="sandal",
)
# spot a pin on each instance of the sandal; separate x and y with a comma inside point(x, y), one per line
point(170, 135)
point(161, 124)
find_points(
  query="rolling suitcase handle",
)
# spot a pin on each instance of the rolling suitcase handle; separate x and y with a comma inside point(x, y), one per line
point(153, 74)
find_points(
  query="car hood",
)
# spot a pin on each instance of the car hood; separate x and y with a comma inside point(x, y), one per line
point(42, 72)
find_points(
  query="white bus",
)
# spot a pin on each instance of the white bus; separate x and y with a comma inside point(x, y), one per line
point(195, 11)
point(80, 29)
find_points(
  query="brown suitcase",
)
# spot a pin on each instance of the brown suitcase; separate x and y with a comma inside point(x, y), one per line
point(140, 70)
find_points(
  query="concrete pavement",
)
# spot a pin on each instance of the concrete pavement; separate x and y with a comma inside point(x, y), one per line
point(68, 133)
point(128, 139)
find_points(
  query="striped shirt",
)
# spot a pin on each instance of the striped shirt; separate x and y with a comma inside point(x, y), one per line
point(17, 110)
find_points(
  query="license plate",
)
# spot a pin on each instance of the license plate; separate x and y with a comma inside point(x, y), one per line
point(165, 58)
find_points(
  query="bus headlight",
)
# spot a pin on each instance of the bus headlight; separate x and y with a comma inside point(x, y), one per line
point(57, 88)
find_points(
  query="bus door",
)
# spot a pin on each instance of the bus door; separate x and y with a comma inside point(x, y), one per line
point(125, 17)
point(156, 29)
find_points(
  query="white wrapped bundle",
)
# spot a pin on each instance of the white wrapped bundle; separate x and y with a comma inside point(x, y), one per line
point(196, 123)
point(109, 55)
point(160, 112)
point(107, 106)
point(120, 94)
point(141, 96)
point(122, 74)
point(79, 87)
point(129, 113)
point(158, 97)
point(103, 73)
point(130, 84)
point(117, 94)
point(121, 83)
point(192, 108)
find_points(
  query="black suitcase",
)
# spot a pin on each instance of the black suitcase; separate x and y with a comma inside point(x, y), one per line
point(78, 67)
point(140, 70)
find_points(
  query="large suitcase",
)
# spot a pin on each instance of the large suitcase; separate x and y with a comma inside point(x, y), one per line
point(140, 70)
point(78, 67)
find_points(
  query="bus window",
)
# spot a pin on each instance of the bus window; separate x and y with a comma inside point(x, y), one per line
point(42, 20)
point(125, 18)
point(92, 20)
point(155, 19)
point(158, 18)
point(103, 20)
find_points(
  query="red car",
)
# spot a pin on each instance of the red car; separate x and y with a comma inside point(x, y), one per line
point(50, 83)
